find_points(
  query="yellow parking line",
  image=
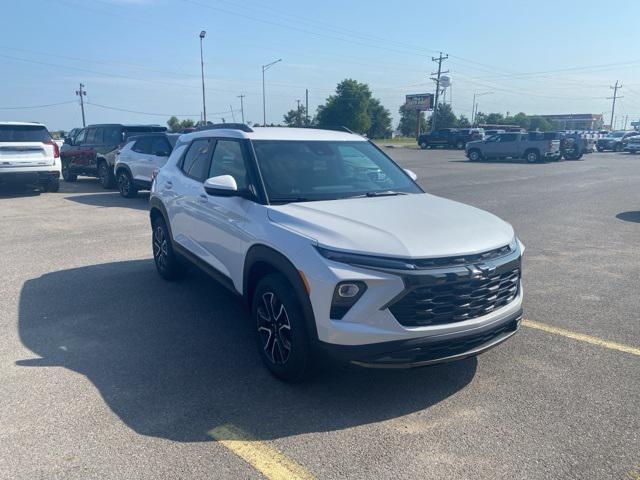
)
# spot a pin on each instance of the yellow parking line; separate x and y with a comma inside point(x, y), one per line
point(582, 337)
point(260, 455)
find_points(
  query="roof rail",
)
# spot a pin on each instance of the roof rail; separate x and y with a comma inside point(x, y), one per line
point(229, 126)
point(335, 128)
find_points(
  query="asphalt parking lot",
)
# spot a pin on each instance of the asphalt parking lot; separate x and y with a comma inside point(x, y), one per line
point(106, 371)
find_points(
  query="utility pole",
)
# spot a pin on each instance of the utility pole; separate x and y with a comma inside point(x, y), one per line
point(204, 105)
point(298, 119)
point(615, 89)
point(233, 115)
point(82, 93)
point(241, 97)
point(306, 106)
point(434, 116)
point(626, 119)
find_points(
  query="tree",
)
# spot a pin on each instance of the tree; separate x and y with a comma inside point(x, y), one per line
point(296, 117)
point(540, 123)
point(408, 120)
point(176, 125)
point(495, 119)
point(445, 117)
point(348, 107)
point(463, 122)
point(380, 120)
point(480, 118)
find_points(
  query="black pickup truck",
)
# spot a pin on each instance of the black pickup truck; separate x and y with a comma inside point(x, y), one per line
point(450, 137)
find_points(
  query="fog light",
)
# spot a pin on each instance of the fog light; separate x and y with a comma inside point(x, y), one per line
point(348, 290)
point(345, 296)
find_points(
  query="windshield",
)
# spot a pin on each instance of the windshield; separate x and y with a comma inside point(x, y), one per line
point(24, 133)
point(327, 170)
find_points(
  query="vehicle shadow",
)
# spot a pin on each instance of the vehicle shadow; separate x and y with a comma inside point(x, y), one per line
point(502, 160)
point(19, 190)
point(632, 216)
point(112, 199)
point(174, 360)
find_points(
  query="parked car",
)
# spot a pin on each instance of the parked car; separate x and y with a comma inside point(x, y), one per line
point(93, 150)
point(532, 147)
point(632, 144)
point(364, 268)
point(575, 145)
point(139, 158)
point(450, 137)
point(28, 155)
point(613, 141)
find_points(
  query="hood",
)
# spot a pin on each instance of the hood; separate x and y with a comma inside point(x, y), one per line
point(414, 226)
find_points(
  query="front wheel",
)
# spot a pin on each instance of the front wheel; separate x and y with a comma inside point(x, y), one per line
point(66, 172)
point(423, 145)
point(167, 262)
point(475, 156)
point(281, 333)
point(105, 174)
point(125, 184)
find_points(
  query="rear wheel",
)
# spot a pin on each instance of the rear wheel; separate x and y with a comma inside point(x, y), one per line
point(105, 174)
point(66, 172)
point(532, 156)
point(281, 333)
point(126, 186)
point(167, 262)
point(51, 185)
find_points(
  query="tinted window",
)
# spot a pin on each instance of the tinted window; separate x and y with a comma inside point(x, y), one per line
point(160, 147)
point(131, 131)
point(24, 133)
point(508, 137)
point(196, 160)
point(325, 170)
point(80, 137)
point(142, 146)
point(228, 160)
point(112, 135)
point(94, 136)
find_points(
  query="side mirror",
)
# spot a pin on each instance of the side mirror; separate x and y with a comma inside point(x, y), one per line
point(225, 186)
point(161, 153)
point(411, 174)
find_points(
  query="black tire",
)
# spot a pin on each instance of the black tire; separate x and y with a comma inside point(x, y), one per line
point(167, 262)
point(475, 155)
point(106, 176)
point(52, 185)
point(66, 172)
point(126, 186)
point(424, 146)
point(532, 156)
point(600, 149)
point(281, 334)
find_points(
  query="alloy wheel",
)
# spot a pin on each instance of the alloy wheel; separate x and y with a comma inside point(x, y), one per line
point(124, 184)
point(160, 247)
point(274, 328)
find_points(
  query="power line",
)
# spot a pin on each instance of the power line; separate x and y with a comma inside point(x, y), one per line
point(152, 113)
point(38, 106)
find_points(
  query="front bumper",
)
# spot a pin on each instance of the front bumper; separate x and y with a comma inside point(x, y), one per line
point(419, 352)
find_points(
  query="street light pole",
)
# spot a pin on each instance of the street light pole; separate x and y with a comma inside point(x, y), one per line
point(474, 108)
point(264, 102)
point(204, 104)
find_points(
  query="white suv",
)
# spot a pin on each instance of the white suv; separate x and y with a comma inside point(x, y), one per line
point(29, 155)
point(335, 248)
point(139, 158)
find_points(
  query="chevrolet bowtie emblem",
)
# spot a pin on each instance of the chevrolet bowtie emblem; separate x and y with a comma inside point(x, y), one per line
point(482, 270)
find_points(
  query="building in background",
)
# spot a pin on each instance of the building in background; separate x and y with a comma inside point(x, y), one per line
point(577, 121)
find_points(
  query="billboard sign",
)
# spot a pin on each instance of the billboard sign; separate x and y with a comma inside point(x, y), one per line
point(419, 102)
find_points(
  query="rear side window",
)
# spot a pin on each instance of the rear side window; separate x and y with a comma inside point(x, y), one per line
point(112, 135)
point(24, 133)
point(160, 147)
point(196, 160)
point(508, 137)
point(142, 146)
point(94, 136)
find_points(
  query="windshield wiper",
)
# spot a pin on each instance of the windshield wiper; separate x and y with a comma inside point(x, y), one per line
point(289, 199)
point(385, 193)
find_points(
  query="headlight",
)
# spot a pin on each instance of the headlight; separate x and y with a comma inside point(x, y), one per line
point(365, 260)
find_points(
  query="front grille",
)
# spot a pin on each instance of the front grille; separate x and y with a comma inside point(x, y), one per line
point(457, 297)
point(462, 259)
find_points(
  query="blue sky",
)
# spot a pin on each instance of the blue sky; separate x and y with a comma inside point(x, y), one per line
point(143, 55)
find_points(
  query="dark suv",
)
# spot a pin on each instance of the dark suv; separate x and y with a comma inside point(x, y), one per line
point(93, 150)
point(450, 137)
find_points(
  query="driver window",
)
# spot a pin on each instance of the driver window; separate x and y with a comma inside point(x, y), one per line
point(228, 160)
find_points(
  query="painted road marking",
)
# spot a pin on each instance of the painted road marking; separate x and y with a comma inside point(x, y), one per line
point(582, 337)
point(260, 455)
